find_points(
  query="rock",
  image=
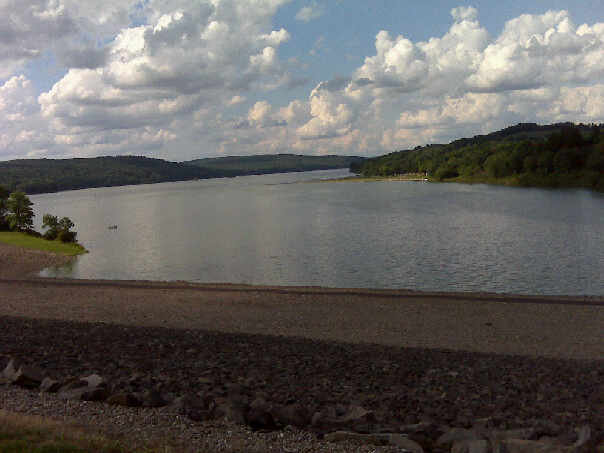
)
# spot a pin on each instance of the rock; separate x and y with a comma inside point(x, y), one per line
point(88, 388)
point(230, 410)
point(28, 377)
point(470, 446)
point(22, 375)
point(522, 433)
point(259, 416)
point(291, 414)
point(529, 446)
point(405, 443)
point(457, 435)
point(94, 381)
point(361, 439)
point(584, 436)
point(11, 369)
point(397, 440)
point(192, 407)
point(84, 394)
point(124, 399)
point(546, 428)
point(50, 385)
point(152, 398)
point(356, 417)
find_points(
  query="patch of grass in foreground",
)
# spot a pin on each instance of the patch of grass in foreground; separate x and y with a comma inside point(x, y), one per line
point(31, 242)
point(28, 434)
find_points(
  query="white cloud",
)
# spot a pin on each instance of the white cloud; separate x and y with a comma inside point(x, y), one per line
point(193, 72)
point(310, 12)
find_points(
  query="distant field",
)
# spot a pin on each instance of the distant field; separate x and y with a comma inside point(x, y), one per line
point(31, 242)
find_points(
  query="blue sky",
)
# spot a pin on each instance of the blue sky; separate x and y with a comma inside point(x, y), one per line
point(181, 79)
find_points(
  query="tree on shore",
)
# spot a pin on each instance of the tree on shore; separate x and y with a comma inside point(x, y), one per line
point(4, 194)
point(21, 215)
point(58, 229)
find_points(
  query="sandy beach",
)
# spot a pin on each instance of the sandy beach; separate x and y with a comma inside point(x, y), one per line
point(407, 356)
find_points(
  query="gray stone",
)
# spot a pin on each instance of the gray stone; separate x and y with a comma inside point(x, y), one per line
point(11, 369)
point(356, 438)
point(22, 375)
point(50, 385)
point(259, 415)
point(28, 376)
point(94, 381)
point(192, 407)
point(457, 435)
point(84, 394)
point(470, 446)
point(405, 443)
point(152, 398)
point(529, 446)
point(584, 435)
point(354, 417)
point(521, 433)
point(230, 410)
point(291, 414)
point(87, 388)
point(397, 440)
point(124, 399)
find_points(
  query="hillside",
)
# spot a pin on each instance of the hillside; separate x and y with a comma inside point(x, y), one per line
point(53, 175)
point(557, 155)
point(274, 163)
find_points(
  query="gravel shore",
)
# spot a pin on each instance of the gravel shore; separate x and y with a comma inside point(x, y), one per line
point(405, 356)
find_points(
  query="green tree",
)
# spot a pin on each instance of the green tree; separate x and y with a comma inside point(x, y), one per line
point(58, 229)
point(52, 223)
point(3, 208)
point(498, 165)
point(21, 215)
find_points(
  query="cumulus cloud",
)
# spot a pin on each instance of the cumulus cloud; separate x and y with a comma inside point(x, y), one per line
point(27, 29)
point(541, 67)
point(310, 12)
point(163, 76)
point(191, 55)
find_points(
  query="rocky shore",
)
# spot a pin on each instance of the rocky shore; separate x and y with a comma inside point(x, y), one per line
point(271, 383)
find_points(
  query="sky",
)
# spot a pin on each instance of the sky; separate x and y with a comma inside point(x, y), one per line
point(185, 79)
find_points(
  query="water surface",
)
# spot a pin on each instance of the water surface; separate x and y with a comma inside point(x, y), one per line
point(277, 229)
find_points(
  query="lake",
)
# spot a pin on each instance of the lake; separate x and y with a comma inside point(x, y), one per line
point(285, 229)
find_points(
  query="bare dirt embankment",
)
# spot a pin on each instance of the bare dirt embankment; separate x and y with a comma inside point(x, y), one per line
point(452, 358)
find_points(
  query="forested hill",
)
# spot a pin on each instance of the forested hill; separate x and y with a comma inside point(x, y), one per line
point(275, 163)
point(557, 155)
point(53, 175)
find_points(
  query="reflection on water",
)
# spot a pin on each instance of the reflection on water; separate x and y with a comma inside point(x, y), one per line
point(266, 230)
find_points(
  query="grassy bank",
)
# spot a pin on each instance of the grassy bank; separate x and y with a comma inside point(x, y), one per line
point(405, 177)
point(28, 434)
point(577, 180)
point(32, 242)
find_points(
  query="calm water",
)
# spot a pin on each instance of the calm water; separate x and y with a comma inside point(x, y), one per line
point(272, 230)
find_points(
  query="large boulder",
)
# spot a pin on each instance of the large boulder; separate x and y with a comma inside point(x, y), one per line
point(291, 414)
point(354, 418)
point(124, 399)
point(87, 388)
point(23, 375)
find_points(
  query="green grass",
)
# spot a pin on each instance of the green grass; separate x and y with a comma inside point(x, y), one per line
point(27, 434)
point(32, 242)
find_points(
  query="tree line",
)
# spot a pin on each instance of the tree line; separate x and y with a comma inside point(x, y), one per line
point(16, 214)
point(563, 155)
